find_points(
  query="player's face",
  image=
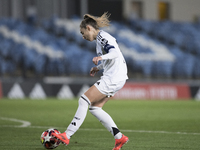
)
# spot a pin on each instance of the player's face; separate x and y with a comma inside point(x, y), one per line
point(87, 33)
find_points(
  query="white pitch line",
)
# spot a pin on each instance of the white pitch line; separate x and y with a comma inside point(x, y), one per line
point(143, 131)
point(28, 125)
point(24, 123)
point(165, 132)
point(132, 131)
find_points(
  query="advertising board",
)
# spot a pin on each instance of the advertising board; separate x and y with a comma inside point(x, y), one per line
point(153, 91)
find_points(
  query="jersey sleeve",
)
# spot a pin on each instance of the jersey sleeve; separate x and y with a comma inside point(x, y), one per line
point(110, 55)
point(108, 45)
point(100, 66)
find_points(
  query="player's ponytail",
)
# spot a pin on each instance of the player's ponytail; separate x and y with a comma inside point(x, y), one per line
point(96, 22)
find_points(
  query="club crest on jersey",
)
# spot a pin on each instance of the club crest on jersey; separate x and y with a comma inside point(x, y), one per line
point(103, 42)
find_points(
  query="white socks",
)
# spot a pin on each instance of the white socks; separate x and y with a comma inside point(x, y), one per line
point(79, 116)
point(98, 112)
point(106, 120)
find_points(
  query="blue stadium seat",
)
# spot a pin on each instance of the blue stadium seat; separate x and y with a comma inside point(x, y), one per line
point(183, 67)
point(143, 37)
point(196, 68)
point(5, 47)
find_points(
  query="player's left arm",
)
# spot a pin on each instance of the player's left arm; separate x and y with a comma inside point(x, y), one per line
point(112, 53)
point(108, 47)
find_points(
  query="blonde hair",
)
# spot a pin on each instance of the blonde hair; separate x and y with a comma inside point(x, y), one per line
point(96, 22)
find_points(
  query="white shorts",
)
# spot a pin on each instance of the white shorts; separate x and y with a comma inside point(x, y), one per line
point(108, 88)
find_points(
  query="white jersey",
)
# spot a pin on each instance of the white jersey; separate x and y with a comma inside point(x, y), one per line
point(113, 62)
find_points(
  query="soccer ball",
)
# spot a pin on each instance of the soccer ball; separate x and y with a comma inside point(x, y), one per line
point(48, 140)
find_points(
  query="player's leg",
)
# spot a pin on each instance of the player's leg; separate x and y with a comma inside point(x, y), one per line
point(79, 116)
point(92, 95)
point(97, 102)
point(107, 121)
point(77, 121)
point(107, 89)
point(104, 117)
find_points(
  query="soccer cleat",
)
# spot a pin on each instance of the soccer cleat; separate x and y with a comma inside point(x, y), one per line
point(120, 142)
point(62, 137)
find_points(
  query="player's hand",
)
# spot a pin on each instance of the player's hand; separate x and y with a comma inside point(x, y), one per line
point(96, 60)
point(93, 71)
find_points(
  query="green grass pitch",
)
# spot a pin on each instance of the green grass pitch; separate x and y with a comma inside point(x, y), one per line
point(150, 125)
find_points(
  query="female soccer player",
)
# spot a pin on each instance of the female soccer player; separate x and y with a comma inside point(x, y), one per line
point(113, 79)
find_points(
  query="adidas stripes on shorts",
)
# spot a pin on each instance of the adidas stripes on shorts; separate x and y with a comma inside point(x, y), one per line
point(108, 88)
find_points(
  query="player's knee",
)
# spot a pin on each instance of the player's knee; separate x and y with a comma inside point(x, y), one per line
point(83, 100)
point(93, 109)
